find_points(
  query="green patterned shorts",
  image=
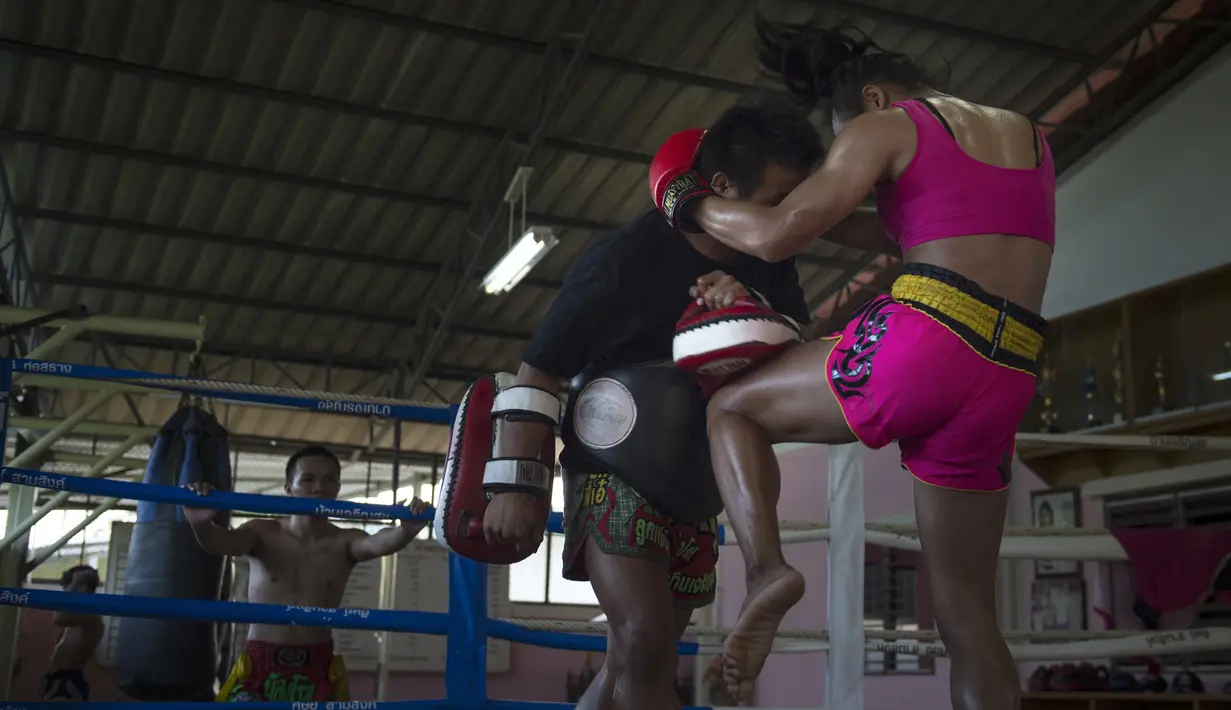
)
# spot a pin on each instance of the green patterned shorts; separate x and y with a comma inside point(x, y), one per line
point(622, 523)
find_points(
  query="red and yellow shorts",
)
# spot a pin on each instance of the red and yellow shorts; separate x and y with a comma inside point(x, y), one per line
point(622, 523)
point(283, 673)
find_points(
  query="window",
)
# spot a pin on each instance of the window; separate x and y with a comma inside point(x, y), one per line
point(89, 546)
point(1203, 507)
point(894, 599)
point(539, 579)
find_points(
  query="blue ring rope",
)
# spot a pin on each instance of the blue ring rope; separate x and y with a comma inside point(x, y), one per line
point(209, 610)
point(221, 500)
point(312, 705)
point(428, 414)
point(421, 622)
point(417, 622)
point(224, 500)
point(342, 705)
point(284, 506)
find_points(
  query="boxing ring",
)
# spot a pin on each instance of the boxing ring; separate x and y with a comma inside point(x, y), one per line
point(467, 626)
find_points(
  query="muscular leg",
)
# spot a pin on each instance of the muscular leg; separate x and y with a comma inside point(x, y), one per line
point(599, 695)
point(787, 400)
point(639, 670)
point(960, 532)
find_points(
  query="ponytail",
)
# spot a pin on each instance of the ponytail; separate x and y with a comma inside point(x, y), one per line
point(829, 67)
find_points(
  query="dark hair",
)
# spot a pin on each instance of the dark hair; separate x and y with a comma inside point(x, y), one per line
point(758, 131)
point(309, 452)
point(66, 579)
point(827, 67)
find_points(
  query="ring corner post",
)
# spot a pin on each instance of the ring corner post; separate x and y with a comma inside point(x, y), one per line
point(466, 669)
point(6, 398)
point(12, 560)
point(844, 559)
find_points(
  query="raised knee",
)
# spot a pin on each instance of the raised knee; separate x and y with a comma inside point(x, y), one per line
point(725, 401)
point(645, 652)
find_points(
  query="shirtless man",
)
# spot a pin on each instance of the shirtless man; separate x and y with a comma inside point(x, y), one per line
point(65, 680)
point(302, 560)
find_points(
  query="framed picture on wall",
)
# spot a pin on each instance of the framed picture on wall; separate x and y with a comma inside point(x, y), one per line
point(1056, 508)
point(1058, 604)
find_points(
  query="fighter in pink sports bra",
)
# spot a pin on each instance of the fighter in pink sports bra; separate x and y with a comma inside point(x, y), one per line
point(943, 365)
point(946, 193)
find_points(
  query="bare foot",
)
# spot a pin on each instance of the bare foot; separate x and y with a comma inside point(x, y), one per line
point(749, 644)
point(717, 685)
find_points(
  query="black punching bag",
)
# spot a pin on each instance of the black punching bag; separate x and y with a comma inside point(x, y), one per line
point(171, 659)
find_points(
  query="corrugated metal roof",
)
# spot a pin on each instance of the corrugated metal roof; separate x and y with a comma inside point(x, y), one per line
point(297, 171)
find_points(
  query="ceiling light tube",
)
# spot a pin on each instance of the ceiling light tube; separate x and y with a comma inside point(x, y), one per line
point(519, 260)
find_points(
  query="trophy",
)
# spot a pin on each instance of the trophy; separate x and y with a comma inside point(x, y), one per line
point(1160, 378)
point(1090, 395)
point(1117, 378)
point(1046, 389)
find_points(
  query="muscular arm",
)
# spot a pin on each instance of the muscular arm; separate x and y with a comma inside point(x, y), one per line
point(862, 155)
point(525, 439)
point(574, 333)
point(236, 542)
point(364, 547)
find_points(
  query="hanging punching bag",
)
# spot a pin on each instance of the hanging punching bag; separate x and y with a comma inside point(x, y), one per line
point(170, 659)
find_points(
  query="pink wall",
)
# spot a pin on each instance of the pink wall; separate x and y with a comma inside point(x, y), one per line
point(798, 680)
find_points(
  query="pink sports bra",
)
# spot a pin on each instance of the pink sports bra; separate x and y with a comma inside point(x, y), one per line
point(945, 193)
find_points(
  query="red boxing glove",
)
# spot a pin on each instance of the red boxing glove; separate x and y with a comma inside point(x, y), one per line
point(718, 346)
point(674, 183)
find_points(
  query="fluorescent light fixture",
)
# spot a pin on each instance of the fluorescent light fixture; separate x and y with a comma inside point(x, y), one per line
point(514, 265)
point(1221, 376)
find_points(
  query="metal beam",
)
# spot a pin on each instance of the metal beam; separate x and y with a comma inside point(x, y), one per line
point(116, 325)
point(264, 93)
point(451, 289)
point(653, 72)
point(1191, 57)
point(218, 349)
point(843, 279)
point(285, 447)
point(519, 44)
point(1104, 57)
point(15, 262)
point(346, 256)
point(440, 302)
point(321, 311)
point(245, 444)
point(236, 171)
point(102, 347)
point(230, 240)
point(902, 19)
point(861, 292)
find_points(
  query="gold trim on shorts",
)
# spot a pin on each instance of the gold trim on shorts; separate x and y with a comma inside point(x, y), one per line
point(996, 328)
